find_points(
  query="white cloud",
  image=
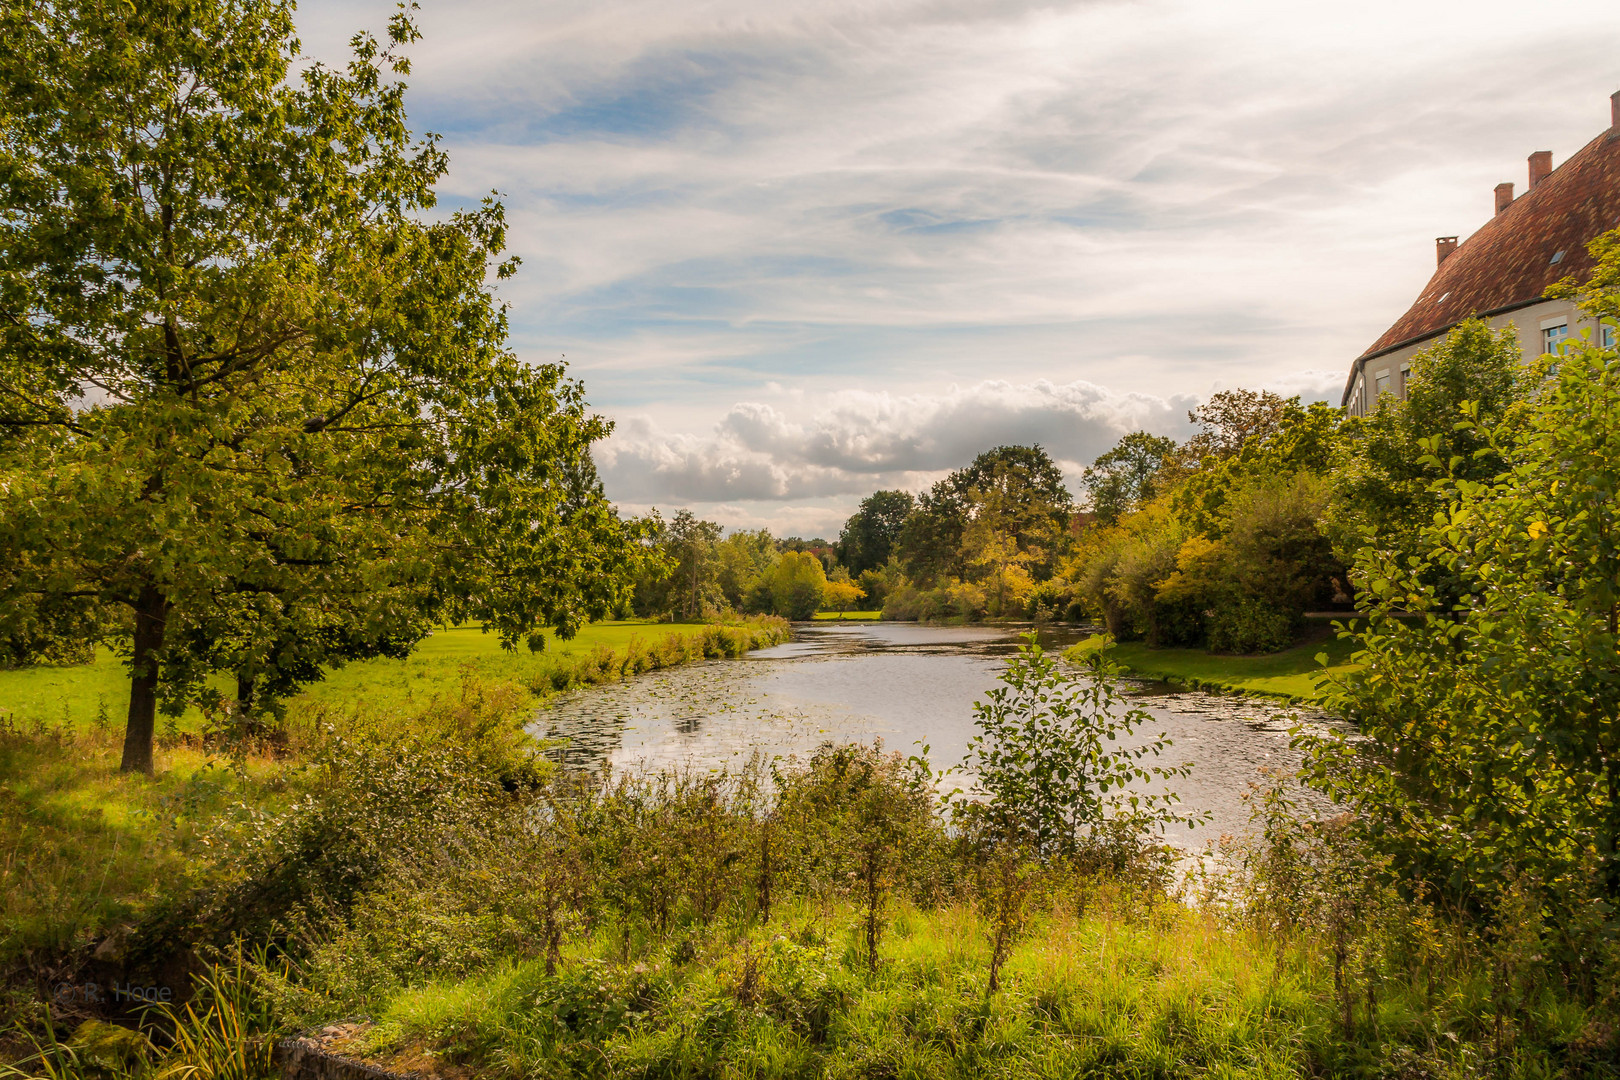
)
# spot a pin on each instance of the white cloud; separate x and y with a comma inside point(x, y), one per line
point(863, 202)
point(801, 465)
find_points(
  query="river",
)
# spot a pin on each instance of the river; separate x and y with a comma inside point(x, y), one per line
point(903, 684)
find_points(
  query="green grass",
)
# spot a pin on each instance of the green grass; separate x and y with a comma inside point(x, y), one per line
point(1128, 990)
point(83, 847)
point(1293, 674)
point(75, 696)
point(840, 616)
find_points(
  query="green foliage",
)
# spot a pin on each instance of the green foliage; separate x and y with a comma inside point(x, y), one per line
point(309, 441)
point(1487, 693)
point(684, 580)
point(879, 582)
point(1297, 440)
point(951, 600)
point(1014, 494)
point(746, 559)
point(1122, 573)
point(796, 585)
point(1233, 419)
point(1384, 474)
point(1273, 564)
point(1491, 747)
point(1053, 761)
point(869, 536)
point(1124, 478)
point(1236, 551)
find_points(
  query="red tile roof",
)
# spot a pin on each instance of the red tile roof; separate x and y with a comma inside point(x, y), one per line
point(1509, 262)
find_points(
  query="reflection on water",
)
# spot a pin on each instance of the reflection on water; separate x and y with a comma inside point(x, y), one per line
point(899, 682)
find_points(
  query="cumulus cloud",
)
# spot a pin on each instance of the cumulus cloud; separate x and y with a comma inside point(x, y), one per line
point(800, 464)
point(816, 459)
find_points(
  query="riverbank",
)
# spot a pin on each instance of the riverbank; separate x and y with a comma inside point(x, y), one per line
point(85, 848)
point(668, 928)
point(84, 697)
point(1293, 675)
point(1133, 987)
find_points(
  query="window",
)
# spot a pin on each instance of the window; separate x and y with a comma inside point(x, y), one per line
point(1606, 336)
point(1380, 384)
point(1553, 338)
point(1406, 375)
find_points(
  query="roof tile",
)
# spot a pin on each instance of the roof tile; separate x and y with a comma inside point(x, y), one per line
point(1520, 253)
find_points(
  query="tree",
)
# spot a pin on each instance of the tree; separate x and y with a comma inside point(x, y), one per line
point(1384, 476)
point(1124, 478)
point(745, 561)
point(871, 532)
point(1304, 439)
point(1053, 761)
point(1021, 484)
point(1488, 742)
point(797, 584)
point(691, 545)
point(303, 423)
point(841, 595)
point(1232, 418)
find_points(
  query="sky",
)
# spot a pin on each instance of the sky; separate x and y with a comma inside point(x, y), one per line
point(802, 251)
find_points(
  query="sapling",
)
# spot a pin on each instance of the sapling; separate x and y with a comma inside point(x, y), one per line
point(1053, 777)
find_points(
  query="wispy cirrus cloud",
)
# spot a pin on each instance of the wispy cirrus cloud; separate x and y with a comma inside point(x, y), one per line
point(1159, 198)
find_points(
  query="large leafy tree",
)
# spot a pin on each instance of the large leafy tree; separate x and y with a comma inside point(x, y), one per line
point(1124, 478)
point(1232, 418)
point(1385, 473)
point(1490, 722)
point(258, 410)
point(870, 534)
point(1020, 485)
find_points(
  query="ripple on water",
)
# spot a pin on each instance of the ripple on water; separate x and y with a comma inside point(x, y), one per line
point(905, 685)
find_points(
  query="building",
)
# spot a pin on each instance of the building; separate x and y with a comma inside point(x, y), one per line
point(1503, 271)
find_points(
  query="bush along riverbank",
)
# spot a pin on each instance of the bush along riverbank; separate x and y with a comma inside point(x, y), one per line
point(86, 851)
point(444, 901)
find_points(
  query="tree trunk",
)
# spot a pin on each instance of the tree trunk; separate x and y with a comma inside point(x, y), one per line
point(151, 611)
point(244, 693)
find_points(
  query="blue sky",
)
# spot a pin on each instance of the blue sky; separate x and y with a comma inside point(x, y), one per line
point(801, 251)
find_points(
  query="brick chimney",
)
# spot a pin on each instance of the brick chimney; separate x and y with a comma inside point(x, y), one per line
point(1443, 246)
point(1504, 197)
point(1540, 166)
point(1614, 108)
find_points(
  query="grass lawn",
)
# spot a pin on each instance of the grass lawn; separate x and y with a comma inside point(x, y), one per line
point(84, 847)
point(75, 696)
point(841, 616)
point(1293, 673)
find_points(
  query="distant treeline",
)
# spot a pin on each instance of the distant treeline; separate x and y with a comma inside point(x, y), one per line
point(1223, 541)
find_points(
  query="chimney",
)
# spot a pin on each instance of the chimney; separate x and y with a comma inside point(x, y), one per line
point(1504, 197)
point(1614, 108)
point(1443, 246)
point(1540, 166)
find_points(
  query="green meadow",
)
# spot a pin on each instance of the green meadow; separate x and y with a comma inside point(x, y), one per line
point(88, 695)
point(1294, 674)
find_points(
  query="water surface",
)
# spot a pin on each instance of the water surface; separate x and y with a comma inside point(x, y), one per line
point(903, 684)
